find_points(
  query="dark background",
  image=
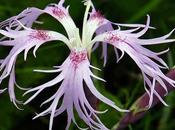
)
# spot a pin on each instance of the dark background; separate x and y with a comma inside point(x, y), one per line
point(124, 80)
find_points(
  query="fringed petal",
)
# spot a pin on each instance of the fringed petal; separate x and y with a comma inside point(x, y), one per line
point(148, 61)
point(73, 72)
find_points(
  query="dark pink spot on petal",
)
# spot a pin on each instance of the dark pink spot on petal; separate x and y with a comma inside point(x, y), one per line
point(58, 12)
point(78, 57)
point(40, 35)
point(97, 16)
point(112, 38)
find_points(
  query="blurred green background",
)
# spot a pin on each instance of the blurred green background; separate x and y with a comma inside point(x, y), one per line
point(124, 81)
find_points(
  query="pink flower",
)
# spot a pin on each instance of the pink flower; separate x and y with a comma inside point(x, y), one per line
point(76, 69)
point(72, 73)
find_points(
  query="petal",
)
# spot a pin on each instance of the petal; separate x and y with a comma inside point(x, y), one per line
point(62, 15)
point(73, 71)
point(29, 16)
point(158, 40)
point(26, 17)
point(2, 90)
point(23, 41)
point(148, 67)
point(95, 21)
point(100, 96)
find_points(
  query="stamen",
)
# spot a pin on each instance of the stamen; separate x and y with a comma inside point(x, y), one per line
point(40, 35)
point(77, 57)
point(58, 12)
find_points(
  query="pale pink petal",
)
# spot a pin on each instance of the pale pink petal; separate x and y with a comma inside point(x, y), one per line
point(148, 61)
point(73, 72)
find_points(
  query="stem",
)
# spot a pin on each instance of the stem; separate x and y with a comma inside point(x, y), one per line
point(142, 102)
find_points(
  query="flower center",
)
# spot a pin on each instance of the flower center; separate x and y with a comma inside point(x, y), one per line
point(58, 12)
point(77, 57)
point(40, 35)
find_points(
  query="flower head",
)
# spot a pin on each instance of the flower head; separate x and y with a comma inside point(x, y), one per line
point(76, 69)
point(72, 73)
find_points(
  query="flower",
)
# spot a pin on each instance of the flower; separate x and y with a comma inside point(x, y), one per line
point(76, 69)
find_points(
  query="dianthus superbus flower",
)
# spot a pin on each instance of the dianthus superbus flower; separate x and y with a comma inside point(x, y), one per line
point(76, 69)
point(72, 73)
